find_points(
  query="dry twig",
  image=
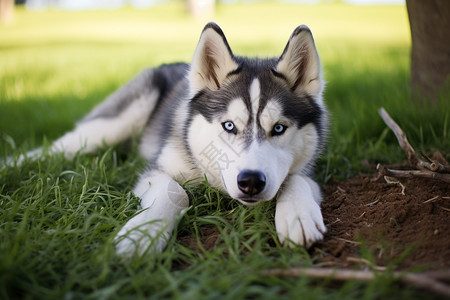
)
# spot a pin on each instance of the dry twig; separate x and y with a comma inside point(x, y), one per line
point(425, 169)
point(418, 280)
point(391, 180)
point(431, 200)
point(415, 173)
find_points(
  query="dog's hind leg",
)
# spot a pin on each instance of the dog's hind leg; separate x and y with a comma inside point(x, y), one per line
point(163, 201)
point(122, 115)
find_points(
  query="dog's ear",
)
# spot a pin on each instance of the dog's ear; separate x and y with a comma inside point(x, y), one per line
point(300, 63)
point(212, 61)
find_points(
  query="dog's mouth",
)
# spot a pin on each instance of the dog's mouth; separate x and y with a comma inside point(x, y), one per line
point(249, 201)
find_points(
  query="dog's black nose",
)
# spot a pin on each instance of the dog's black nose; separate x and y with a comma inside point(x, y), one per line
point(251, 182)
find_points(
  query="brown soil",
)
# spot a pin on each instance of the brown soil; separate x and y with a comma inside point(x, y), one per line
point(371, 221)
point(363, 213)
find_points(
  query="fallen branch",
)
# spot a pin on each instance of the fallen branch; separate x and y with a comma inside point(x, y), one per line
point(426, 169)
point(413, 173)
point(402, 139)
point(418, 280)
point(435, 165)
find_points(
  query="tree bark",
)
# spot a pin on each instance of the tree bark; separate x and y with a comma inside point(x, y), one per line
point(430, 56)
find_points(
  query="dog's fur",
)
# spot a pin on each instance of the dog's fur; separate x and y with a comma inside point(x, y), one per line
point(253, 127)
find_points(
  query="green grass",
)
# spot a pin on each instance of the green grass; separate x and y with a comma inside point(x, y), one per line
point(58, 217)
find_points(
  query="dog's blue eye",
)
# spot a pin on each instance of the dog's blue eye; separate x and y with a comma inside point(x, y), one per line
point(278, 129)
point(229, 127)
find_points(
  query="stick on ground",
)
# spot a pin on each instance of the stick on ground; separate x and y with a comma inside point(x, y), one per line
point(418, 280)
point(426, 169)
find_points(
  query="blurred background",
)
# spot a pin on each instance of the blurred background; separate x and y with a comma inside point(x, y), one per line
point(60, 58)
point(143, 4)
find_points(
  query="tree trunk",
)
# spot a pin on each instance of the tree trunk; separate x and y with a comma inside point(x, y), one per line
point(430, 57)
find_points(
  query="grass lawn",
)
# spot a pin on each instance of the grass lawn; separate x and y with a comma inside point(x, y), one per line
point(58, 217)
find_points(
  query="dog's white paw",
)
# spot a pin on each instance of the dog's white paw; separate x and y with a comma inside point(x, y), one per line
point(299, 225)
point(164, 202)
point(147, 238)
point(298, 218)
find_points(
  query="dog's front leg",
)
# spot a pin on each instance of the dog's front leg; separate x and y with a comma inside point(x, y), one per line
point(162, 200)
point(298, 218)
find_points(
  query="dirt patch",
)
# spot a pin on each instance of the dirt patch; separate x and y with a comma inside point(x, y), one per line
point(409, 229)
point(404, 225)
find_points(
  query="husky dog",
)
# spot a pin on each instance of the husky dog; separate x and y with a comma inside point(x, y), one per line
point(252, 127)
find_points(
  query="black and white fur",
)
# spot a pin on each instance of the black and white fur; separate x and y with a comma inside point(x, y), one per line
point(253, 127)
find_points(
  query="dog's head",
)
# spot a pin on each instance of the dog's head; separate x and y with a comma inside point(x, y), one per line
point(255, 121)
